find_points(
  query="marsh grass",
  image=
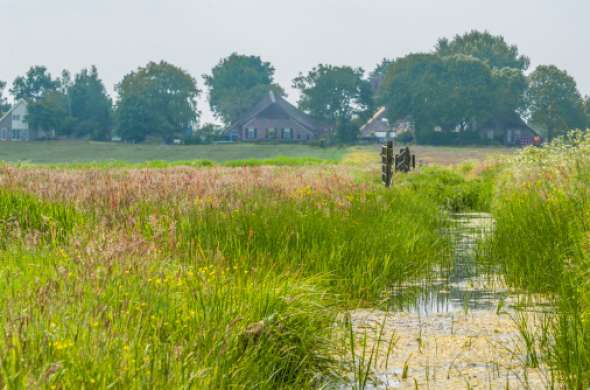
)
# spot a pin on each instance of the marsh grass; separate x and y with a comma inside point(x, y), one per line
point(197, 163)
point(541, 241)
point(184, 277)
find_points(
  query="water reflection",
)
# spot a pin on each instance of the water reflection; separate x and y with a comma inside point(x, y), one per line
point(462, 287)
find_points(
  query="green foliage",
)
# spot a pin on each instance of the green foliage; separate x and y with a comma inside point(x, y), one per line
point(472, 82)
point(49, 112)
point(206, 134)
point(90, 106)
point(73, 152)
point(48, 106)
point(460, 94)
point(510, 86)
point(153, 294)
point(279, 161)
point(554, 101)
point(156, 100)
point(491, 49)
point(377, 76)
point(416, 87)
point(161, 324)
point(34, 85)
point(541, 243)
point(450, 189)
point(22, 214)
point(4, 105)
point(335, 94)
point(237, 83)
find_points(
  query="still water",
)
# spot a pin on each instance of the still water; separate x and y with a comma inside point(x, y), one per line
point(458, 330)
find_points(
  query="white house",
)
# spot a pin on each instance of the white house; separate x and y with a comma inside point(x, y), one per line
point(13, 126)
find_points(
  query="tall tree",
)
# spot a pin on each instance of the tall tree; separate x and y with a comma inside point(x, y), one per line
point(49, 112)
point(336, 94)
point(377, 76)
point(237, 83)
point(89, 105)
point(587, 111)
point(414, 89)
point(469, 97)
point(510, 85)
point(158, 99)
point(492, 49)
point(453, 93)
point(554, 101)
point(4, 105)
point(47, 100)
point(34, 84)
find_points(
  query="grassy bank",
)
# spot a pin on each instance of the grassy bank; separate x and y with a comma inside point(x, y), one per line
point(108, 154)
point(56, 152)
point(211, 278)
point(542, 244)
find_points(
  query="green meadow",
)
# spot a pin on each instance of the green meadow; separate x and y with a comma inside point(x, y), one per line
point(237, 274)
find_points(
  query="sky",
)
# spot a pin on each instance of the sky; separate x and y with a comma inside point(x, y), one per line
point(294, 35)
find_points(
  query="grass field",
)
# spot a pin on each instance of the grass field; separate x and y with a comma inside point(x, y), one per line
point(74, 151)
point(87, 152)
point(242, 273)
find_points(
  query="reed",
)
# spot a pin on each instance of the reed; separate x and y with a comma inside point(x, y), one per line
point(541, 242)
point(198, 277)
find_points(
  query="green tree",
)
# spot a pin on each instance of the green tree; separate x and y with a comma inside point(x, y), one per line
point(377, 76)
point(454, 93)
point(510, 86)
point(336, 94)
point(46, 98)
point(90, 107)
point(469, 89)
point(554, 101)
point(208, 133)
point(414, 89)
point(159, 100)
point(4, 105)
point(237, 83)
point(489, 48)
point(34, 85)
point(587, 111)
point(48, 112)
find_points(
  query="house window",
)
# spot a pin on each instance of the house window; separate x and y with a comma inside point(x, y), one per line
point(15, 134)
point(287, 133)
point(251, 133)
point(16, 117)
point(3, 134)
point(271, 132)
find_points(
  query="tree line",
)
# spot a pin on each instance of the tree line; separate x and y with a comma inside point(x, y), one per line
point(467, 82)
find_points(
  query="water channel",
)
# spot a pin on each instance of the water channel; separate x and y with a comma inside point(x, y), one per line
point(458, 331)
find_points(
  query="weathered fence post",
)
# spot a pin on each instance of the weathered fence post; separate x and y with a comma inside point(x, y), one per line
point(405, 161)
point(387, 163)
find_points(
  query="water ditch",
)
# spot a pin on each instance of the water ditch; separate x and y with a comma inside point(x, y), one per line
point(457, 331)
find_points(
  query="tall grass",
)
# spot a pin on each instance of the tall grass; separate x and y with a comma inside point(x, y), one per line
point(22, 214)
point(541, 241)
point(217, 278)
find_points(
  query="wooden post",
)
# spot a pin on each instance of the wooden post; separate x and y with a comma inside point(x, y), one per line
point(405, 161)
point(387, 164)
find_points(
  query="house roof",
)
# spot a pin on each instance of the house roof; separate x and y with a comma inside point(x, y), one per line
point(377, 116)
point(271, 99)
point(14, 107)
point(514, 120)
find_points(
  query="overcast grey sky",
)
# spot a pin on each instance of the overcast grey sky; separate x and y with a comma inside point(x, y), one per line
point(295, 35)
